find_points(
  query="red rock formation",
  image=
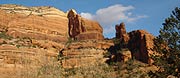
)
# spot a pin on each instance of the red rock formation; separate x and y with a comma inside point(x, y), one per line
point(121, 33)
point(74, 26)
point(82, 29)
point(139, 42)
point(140, 45)
point(45, 23)
point(120, 30)
point(85, 53)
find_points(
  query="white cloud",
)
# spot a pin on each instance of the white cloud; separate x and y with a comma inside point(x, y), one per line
point(87, 15)
point(136, 18)
point(129, 14)
point(113, 15)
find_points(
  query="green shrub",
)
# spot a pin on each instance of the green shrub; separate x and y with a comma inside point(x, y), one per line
point(5, 36)
point(18, 46)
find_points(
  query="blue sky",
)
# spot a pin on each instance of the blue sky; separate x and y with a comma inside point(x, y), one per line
point(137, 14)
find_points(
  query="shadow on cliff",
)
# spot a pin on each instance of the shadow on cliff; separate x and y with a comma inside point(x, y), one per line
point(114, 52)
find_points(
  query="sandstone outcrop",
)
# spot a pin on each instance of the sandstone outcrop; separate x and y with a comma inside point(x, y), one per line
point(139, 42)
point(85, 53)
point(82, 29)
point(121, 33)
point(123, 56)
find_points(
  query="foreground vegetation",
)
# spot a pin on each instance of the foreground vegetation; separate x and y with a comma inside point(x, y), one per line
point(53, 69)
point(167, 44)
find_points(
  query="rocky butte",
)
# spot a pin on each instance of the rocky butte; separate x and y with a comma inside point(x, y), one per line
point(139, 42)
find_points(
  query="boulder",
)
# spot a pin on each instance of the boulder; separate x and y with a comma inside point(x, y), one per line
point(126, 55)
point(122, 56)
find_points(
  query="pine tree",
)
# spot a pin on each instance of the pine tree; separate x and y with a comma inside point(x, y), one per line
point(168, 45)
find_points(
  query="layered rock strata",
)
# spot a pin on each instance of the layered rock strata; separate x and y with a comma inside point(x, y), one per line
point(82, 29)
point(85, 53)
point(47, 23)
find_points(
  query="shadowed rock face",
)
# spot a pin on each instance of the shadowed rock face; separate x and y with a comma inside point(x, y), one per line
point(120, 30)
point(121, 33)
point(83, 29)
point(75, 26)
point(139, 42)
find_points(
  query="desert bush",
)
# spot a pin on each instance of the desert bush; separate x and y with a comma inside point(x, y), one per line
point(5, 36)
point(50, 71)
point(18, 46)
point(130, 69)
point(93, 71)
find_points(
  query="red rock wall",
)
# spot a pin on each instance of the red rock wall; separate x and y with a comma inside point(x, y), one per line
point(47, 23)
point(34, 26)
point(138, 45)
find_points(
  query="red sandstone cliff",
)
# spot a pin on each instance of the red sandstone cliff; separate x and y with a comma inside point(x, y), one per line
point(47, 23)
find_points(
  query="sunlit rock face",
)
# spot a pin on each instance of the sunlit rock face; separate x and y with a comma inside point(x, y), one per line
point(45, 23)
point(83, 29)
point(85, 53)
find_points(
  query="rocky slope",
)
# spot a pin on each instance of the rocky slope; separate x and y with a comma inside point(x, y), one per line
point(85, 53)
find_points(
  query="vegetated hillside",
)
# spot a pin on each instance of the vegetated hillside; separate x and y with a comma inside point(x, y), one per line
point(40, 42)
